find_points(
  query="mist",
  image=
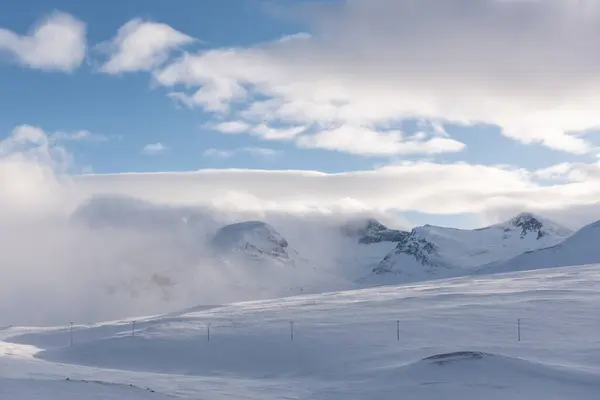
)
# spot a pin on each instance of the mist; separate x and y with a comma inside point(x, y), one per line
point(68, 255)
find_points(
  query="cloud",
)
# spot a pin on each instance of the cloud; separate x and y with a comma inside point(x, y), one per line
point(33, 180)
point(254, 151)
point(266, 132)
point(363, 141)
point(350, 139)
point(427, 187)
point(525, 66)
point(141, 46)
point(109, 246)
point(57, 42)
point(154, 148)
point(231, 127)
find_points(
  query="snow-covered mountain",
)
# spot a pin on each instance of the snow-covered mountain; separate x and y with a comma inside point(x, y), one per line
point(371, 231)
point(579, 249)
point(185, 254)
point(254, 240)
point(432, 252)
point(255, 255)
point(362, 245)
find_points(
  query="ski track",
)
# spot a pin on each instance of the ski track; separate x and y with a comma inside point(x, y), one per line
point(345, 346)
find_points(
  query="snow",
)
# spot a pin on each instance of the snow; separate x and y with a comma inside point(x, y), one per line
point(252, 236)
point(432, 252)
point(579, 249)
point(344, 346)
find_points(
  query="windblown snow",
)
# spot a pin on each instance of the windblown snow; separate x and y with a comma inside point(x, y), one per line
point(446, 339)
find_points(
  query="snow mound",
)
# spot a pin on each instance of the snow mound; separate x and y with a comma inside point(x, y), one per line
point(446, 358)
point(475, 374)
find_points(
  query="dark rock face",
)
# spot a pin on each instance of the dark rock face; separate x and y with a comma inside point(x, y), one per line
point(375, 232)
point(528, 223)
point(414, 245)
point(386, 235)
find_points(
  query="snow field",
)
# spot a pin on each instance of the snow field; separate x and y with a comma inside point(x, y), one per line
point(345, 344)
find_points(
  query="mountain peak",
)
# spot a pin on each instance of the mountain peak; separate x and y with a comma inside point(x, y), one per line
point(371, 231)
point(525, 218)
point(253, 236)
point(528, 223)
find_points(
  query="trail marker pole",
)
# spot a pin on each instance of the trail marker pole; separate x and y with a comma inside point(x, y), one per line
point(291, 331)
point(132, 328)
point(519, 329)
point(397, 330)
point(71, 334)
point(208, 332)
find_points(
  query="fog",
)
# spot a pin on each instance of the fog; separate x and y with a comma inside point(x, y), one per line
point(71, 256)
point(115, 257)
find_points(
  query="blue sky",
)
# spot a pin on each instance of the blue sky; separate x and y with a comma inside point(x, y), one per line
point(363, 93)
point(128, 107)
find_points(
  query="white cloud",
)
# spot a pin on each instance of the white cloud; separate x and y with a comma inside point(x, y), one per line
point(426, 187)
point(358, 140)
point(58, 42)
point(254, 151)
point(232, 127)
point(154, 148)
point(141, 46)
point(266, 132)
point(32, 180)
point(262, 131)
point(501, 63)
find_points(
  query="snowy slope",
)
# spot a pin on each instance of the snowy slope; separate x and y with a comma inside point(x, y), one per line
point(259, 260)
point(457, 340)
point(580, 249)
point(437, 252)
point(362, 245)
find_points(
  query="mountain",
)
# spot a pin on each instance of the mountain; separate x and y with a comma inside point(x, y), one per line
point(359, 245)
point(254, 239)
point(579, 249)
point(371, 231)
point(431, 251)
point(257, 258)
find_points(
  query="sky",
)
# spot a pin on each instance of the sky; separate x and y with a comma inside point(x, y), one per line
point(457, 113)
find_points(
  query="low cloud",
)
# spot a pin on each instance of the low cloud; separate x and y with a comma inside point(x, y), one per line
point(57, 42)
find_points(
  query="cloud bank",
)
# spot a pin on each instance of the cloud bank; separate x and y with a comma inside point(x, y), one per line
point(95, 247)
